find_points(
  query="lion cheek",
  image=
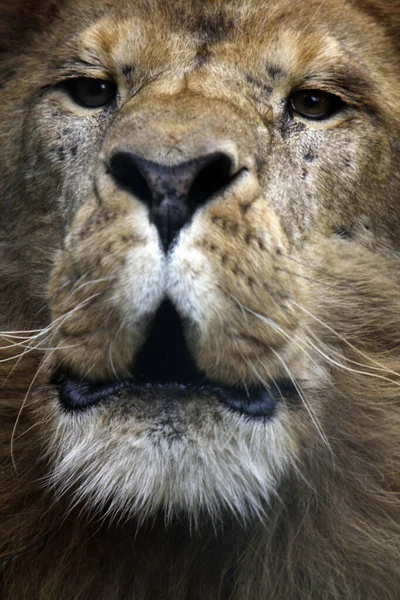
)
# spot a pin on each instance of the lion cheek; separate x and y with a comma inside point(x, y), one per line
point(232, 282)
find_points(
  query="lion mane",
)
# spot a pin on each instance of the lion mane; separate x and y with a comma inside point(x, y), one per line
point(267, 464)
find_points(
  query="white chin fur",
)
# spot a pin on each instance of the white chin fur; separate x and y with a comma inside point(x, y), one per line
point(120, 466)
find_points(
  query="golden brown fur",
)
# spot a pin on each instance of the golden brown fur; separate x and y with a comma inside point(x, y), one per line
point(289, 272)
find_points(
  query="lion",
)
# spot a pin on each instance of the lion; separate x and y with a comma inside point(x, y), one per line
point(200, 307)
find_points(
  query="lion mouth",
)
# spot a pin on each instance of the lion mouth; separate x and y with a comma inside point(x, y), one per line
point(165, 367)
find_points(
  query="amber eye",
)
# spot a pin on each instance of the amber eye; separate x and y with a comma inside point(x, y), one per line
point(315, 104)
point(91, 93)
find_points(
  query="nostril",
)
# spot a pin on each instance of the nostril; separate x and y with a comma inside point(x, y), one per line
point(213, 178)
point(123, 168)
point(172, 193)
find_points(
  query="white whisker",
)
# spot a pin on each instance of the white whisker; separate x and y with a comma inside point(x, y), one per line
point(378, 367)
point(311, 413)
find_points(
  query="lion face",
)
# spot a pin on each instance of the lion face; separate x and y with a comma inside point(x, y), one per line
point(219, 186)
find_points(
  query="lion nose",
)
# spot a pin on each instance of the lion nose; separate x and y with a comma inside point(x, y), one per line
point(172, 193)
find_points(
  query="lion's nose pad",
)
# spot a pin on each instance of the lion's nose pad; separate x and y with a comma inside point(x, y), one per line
point(172, 193)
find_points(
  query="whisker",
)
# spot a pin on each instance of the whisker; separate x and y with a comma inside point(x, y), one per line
point(14, 430)
point(296, 340)
point(110, 357)
point(92, 282)
point(343, 367)
point(331, 286)
point(298, 389)
point(20, 331)
point(370, 359)
point(59, 322)
point(257, 374)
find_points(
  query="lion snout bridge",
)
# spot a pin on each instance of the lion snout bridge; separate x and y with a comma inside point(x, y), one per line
point(172, 193)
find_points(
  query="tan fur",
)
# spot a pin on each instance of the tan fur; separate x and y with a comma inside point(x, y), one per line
point(290, 272)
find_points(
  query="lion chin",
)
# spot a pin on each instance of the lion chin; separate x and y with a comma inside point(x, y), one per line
point(200, 300)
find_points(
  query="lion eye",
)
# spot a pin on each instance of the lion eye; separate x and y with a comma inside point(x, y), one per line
point(315, 104)
point(91, 93)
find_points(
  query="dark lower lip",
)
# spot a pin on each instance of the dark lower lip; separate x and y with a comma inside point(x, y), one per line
point(79, 395)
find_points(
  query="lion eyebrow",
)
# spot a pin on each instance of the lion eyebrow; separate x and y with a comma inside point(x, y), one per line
point(346, 80)
point(76, 66)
